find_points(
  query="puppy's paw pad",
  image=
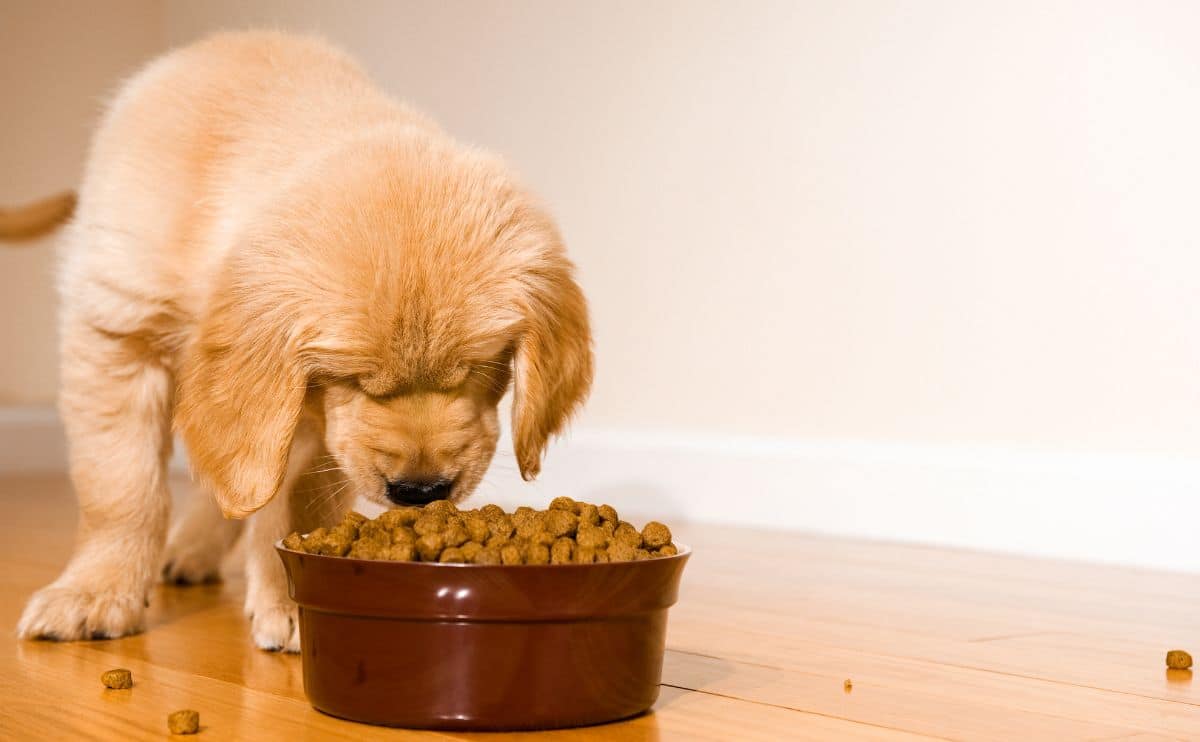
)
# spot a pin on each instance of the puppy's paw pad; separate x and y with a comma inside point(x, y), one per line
point(66, 613)
point(275, 627)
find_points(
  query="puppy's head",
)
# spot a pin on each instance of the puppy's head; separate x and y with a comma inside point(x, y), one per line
point(392, 294)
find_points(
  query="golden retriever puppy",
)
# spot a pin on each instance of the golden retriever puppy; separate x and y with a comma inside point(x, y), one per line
point(320, 291)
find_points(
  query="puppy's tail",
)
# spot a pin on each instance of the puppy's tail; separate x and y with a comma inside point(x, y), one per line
point(35, 219)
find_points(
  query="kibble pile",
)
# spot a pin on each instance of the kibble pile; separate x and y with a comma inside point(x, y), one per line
point(569, 532)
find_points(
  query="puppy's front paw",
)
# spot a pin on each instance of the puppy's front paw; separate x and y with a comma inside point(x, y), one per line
point(191, 566)
point(275, 627)
point(68, 612)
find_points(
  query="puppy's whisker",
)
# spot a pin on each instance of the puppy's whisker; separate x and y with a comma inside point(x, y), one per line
point(323, 487)
point(335, 467)
point(325, 500)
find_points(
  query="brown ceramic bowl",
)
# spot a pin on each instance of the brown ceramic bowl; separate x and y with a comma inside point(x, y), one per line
point(463, 646)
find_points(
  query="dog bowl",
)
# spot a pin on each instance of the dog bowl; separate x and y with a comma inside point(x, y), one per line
point(481, 647)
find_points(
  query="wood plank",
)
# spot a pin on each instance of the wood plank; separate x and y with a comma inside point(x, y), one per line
point(939, 644)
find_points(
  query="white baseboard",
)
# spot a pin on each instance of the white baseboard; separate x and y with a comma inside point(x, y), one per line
point(1137, 510)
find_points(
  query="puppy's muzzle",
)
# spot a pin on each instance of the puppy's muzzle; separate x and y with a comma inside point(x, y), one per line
point(418, 492)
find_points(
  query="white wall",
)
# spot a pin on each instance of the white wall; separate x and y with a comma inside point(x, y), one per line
point(935, 221)
point(58, 60)
point(888, 269)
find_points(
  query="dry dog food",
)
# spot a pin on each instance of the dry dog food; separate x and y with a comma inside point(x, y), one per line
point(568, 532)
point(185, 721)
point(118, 679)
point(1177, 659)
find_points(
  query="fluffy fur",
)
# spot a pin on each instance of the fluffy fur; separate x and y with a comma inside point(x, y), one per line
point(320, 289)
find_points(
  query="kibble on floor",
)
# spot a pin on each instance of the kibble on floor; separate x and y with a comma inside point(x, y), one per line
point(1177, 659)
point(118, 679)
point(185, 721)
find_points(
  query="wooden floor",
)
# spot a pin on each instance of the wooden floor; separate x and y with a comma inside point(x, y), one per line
point(938, 643)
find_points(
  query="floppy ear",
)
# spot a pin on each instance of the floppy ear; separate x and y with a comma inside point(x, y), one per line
point(552, 365)
point(240, 395)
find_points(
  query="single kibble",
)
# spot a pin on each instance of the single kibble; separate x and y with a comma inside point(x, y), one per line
point(497, 542)
point(186, 721)
point(401, 552)
point(640, 555)
point(372, 528)
point(537, 554)
point(403, 535)
point(429, 523)
point(455, 535)
point(592, 538)
point(492, 512)
point(355, 517)
point(584, 555)
point(531, 525)
point(118, 679)
point(608, 527)
point(562, 503)
point(313, 540)
point(293, 541)
point(365, 550)
point(561, 523)
point(589, 514)
point(847, 686)
point(667, 551)
point(336, 543)
point(562, 551)
point(471, 549)
point(384, 539)
point(453, 555)
point(477, 528)
point(619, 551)
point(511, 554)
point(502, 526)
point(441, 507)
point(655, 535)
point(522, 514)
point(607, 512)
point(627, 534)
point(430, 546)
point(1177, 659)
point(394, 519)
point(488, 555)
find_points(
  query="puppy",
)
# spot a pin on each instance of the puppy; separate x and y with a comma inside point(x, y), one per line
point(320, 291)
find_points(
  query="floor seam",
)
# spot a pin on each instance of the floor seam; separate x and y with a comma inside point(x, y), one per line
point(805, 711)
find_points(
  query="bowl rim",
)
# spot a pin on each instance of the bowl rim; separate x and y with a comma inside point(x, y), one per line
point(684, 551)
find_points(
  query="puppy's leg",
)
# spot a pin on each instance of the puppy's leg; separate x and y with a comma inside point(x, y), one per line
point(273, 622)
point(199, 541)
point(116, 406)
point(272, 614)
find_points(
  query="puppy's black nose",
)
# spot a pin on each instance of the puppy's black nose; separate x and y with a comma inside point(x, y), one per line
point(418, 492)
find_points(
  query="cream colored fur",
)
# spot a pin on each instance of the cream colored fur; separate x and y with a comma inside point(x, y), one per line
point(318, 290)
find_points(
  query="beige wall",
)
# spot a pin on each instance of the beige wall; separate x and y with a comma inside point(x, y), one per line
point(58, 60)
point(936, 221)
